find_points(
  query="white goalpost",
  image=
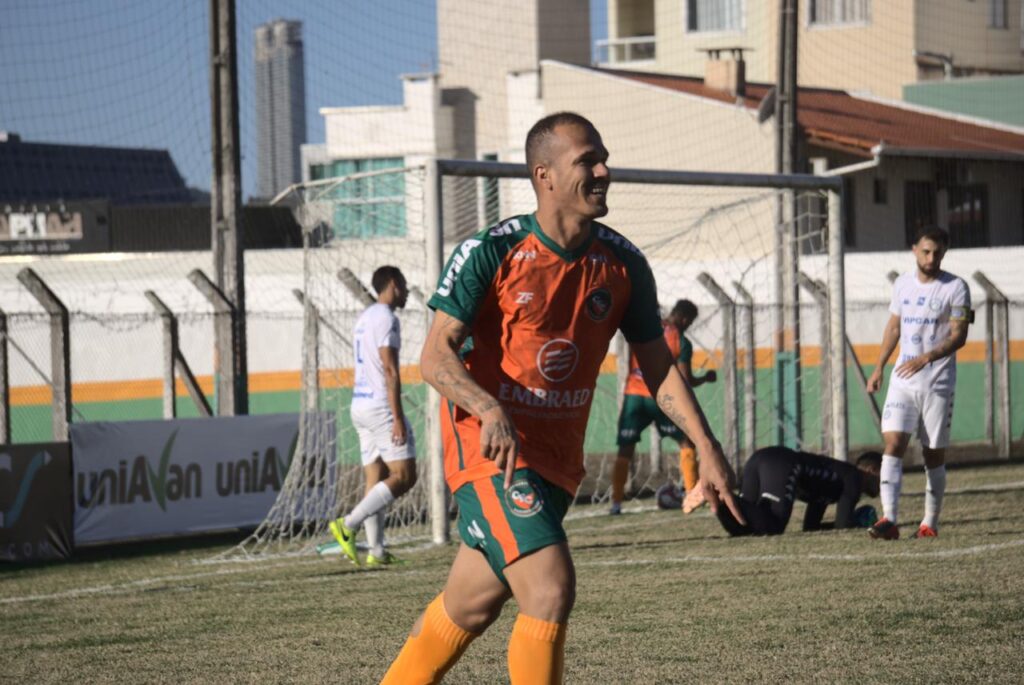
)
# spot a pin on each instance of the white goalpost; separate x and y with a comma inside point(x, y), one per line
point(712, 238)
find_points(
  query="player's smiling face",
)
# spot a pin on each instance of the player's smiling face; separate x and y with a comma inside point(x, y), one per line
point(581, 175)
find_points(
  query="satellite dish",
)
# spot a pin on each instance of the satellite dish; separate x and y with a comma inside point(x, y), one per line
point(766, 108)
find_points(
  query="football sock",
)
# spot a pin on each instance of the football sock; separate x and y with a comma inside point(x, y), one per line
point(536, 652)
point(890, 479)
point(374, 526)
point(426, 657)
point(620, 472)
point(376, 499)
point(933, 496)
point(688, 467)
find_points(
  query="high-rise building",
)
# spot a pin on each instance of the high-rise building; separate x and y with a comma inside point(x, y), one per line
point(280, 104)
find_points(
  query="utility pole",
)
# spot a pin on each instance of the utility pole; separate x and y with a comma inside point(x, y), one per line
point(230, 365)
point(787, 246)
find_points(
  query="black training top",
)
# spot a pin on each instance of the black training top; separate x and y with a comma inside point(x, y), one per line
point(819, 481)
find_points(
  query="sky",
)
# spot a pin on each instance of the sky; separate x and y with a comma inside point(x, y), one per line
point(135, 73)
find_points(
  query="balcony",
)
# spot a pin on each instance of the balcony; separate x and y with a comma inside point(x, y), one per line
point(632, 51)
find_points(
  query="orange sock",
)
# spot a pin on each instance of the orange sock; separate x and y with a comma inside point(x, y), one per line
point(426, 657)
point(688, 467)
point(536, 652)
point(620, 472)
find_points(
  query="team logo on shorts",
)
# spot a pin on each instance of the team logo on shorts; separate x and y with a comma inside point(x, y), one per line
point(599, 304)
point(523, 499)
point(557, 359)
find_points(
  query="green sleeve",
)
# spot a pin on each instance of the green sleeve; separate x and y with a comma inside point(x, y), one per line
point(641, 322)
point(466, 279)
point(685, 350)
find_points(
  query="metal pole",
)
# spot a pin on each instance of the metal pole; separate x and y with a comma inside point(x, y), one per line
point(731, 400)
point(837, 323)
point(819, 292)
point(997, 309)
point(990, 416)
point(60, 350)
point(356, 287)
point(224, 315)
point(170, 338)
point(5, 387)
point(750, 376)
point(434, 227)
point(310, 353)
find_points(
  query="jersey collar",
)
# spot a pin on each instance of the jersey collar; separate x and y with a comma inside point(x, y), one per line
point(567, 255)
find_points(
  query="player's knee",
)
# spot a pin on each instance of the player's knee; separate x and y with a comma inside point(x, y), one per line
point(552, 600)
point(477, 616)
point(402, 478)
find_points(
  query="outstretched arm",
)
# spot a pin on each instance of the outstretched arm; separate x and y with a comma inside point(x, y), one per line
point(677, 401)
point(442, 368)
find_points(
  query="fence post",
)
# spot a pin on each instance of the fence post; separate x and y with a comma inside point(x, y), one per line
point(997, 344)
point(750, 377)
point(60, 350)
point(731, 399)
point(174, 362)
point(355, 286)
point(433, 216)
point(310, 352)
point(819, 293)
point(837, 323)
point(224, 314)
point(5, 386)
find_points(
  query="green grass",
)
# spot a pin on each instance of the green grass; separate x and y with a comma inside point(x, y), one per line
point(662, 598)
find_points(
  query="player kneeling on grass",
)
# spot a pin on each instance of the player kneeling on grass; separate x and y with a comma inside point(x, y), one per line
point(639, 410)
point(776, 476)
point(385, 437)
point(542, 295)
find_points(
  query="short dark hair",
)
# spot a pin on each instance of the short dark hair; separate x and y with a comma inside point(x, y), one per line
point(870, 459)
point(541, 132)
point(384, 275)
point(932, 232)
point(685, 308)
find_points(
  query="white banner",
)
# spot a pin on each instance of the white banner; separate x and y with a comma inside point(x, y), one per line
point(140, 479)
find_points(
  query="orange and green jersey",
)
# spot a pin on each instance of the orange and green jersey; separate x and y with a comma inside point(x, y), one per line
point(682, 351)
point(540, 319)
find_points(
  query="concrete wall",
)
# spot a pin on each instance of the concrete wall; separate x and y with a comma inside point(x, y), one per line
point(961, 29)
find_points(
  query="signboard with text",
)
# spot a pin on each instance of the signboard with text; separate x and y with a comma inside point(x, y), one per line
point(35, 502)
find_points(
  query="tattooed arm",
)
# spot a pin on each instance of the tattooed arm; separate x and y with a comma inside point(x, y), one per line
point(442, 368)
point(677, 401)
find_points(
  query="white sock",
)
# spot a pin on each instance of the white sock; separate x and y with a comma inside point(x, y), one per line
point(374, 526)
point(890, 479)
point(933, 496)
point(376, 499)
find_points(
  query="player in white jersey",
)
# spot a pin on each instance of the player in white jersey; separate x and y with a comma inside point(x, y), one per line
point(385, 438)
point(929, 315)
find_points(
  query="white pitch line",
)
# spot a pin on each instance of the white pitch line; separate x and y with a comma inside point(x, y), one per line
point(699, 558)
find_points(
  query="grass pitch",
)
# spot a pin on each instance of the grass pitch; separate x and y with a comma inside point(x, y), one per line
point(662, 598)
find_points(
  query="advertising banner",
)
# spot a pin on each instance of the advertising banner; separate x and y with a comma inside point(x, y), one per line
point(35, 502)
point(140, 479)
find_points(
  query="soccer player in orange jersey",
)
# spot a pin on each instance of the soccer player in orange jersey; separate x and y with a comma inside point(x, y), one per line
point(639, 409)
point(541, 295)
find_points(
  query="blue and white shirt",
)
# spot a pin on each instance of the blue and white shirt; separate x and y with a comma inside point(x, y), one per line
point(375, 328)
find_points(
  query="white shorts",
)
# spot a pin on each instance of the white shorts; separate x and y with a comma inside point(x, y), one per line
point(373, 423)
point(925, 413)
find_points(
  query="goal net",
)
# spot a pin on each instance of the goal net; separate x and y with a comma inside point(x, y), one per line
point(716, 240)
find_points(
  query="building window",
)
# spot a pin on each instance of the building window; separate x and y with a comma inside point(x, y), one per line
point(968, 215)
point(371, 205)
point(833, 12)
point(881, 191)
point(714, 15)
point(997, 14)
point(918, 207)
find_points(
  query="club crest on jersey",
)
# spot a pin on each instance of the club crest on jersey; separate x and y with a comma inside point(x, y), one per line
point(598, 304)
point(523, 499)
point(935, 305)
point(557, 359)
